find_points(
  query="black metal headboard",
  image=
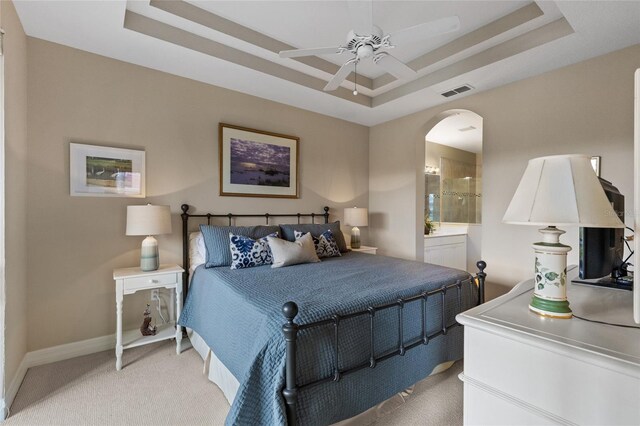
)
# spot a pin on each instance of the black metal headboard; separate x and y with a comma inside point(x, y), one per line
point(230, 216)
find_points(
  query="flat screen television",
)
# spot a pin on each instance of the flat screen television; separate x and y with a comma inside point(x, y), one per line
point(602, 249)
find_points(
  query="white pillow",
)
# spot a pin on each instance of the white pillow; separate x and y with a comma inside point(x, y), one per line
point(197, 251)
point(286, 253)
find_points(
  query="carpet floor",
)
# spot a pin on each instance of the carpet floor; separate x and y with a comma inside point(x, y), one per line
point(156, 387)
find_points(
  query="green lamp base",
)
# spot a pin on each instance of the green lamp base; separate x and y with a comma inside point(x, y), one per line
point(550, 308)
point(550, 282)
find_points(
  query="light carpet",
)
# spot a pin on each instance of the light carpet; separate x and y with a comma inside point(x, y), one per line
point(157, 387)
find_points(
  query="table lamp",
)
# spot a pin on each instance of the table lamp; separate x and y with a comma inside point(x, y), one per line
point(356, 217)
point(148, 220)
point(560, 190)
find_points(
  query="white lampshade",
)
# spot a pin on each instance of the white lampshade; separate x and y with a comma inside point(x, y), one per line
point(148, 220)
point(356, 217)
point(556, 191)
point(561, 190)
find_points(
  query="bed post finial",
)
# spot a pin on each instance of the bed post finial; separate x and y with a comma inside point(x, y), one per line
point(290, 391)
point(290, 310)
point(326, 214)
point(184, 208)
point(481, 275)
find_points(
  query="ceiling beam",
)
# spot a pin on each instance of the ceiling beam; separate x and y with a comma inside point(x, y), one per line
point(458, 46)
point(168, 33)
point(545, 34)
point(215, 22)
point(483, 34)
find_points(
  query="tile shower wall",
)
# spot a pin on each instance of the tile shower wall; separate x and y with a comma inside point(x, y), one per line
point(461, 201)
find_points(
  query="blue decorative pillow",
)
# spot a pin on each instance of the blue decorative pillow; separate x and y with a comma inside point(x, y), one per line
point(247, 252)
point(216, 240)
point(326, 245)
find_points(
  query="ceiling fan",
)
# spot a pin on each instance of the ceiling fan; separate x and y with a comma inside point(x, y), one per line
point(368, 41)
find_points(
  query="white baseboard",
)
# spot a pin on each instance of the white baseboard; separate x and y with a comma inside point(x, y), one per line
point(70, 350)
point(49, 355)
point(13, 387)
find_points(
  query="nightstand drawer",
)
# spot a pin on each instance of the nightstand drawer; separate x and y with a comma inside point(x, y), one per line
point(137, 283)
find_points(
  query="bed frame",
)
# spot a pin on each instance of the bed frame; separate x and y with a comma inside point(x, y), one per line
point(290, 311)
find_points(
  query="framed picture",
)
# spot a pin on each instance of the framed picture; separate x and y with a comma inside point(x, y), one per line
point(98, 171)
point(255, 163)
point(595, 163)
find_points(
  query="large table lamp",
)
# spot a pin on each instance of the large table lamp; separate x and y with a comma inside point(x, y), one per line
point(560, 190)
point(356, 217)
point(149, 220)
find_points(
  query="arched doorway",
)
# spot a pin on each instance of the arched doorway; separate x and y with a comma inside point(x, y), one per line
point(453, 189)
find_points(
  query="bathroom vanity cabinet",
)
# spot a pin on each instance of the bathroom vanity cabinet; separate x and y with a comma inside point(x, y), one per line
point(446, 250)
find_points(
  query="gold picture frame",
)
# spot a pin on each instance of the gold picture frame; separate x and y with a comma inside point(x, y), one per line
point(257, 163)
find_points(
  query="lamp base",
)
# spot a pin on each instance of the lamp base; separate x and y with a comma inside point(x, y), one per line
point(550, 308)
point(355, 238)
point(149, 258)
point(550, 282)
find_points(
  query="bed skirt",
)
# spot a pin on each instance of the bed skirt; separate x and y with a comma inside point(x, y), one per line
point(216, 371)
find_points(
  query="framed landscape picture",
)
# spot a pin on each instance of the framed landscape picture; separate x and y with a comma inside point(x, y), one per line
point(255, 163)
point(98, 171)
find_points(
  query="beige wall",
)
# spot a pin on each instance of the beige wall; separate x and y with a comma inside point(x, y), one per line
point(75, 242)
point(435, 150)
point(15, 174)
point(584, 108)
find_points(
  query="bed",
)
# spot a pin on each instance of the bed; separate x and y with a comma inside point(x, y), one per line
point(321, 342)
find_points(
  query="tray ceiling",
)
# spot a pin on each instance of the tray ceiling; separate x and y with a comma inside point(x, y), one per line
point(235, 44)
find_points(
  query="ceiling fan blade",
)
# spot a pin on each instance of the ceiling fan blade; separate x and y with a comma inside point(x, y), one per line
point(394, 66)
point(296, 53)
point(361, 14)
point(340, 76)
point(426, 30)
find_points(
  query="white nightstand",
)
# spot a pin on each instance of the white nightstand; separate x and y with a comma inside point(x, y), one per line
point(366, 249)
point(131, 280)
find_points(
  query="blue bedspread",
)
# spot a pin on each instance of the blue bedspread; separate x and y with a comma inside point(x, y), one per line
point(238, 314)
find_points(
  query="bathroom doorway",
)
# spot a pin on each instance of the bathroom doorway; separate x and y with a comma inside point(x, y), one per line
point(453, 186)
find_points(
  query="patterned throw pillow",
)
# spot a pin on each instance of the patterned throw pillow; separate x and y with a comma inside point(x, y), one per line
point(326, 245)
point(247, 252)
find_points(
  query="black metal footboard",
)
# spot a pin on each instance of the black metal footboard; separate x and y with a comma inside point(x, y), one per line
point(290, 330)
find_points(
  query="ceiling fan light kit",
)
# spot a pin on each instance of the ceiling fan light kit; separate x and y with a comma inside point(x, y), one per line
point(375, 44)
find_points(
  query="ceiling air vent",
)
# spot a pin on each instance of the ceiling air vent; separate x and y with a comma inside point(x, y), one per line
point(457, 90)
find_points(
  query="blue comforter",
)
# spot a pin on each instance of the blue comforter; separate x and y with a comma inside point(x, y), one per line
point(238, 314)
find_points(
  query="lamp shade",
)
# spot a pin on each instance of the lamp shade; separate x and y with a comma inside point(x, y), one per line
point(561, 190)
point(356, 217)
point(148, 220)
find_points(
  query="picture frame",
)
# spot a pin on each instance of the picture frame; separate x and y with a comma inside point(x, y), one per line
point(100, 171)
point(257, 163)
point(595, 163)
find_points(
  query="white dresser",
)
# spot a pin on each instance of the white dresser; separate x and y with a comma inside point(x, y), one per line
point(523, 369)
point(446, 250)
